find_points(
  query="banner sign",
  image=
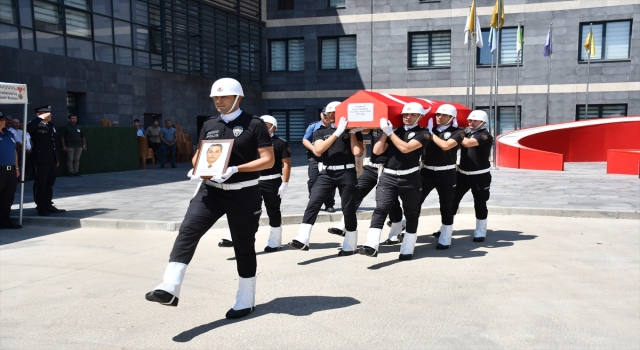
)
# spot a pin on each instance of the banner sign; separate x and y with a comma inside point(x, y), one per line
point(13, 93)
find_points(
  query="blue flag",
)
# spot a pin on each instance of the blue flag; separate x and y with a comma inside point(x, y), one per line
point(548, 44)
point(492, 39)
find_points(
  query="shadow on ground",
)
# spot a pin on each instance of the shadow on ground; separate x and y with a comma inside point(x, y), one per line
point(294, 306)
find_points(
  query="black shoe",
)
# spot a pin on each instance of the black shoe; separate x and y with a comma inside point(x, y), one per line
point(389, 223)
point(173, 166)
point(298, 245)
point(346, 253)
point(390, 242)
point(337, 231)
point(162, 297)
point(400, 237)
point(54, 210)
point(10, 225)
point(77, 175)
point(225, 243)
point(405, 256)
point(368, 251)
point(43, 212)
point(271, 249)
point(330, 209)
point(478, 239)
point(436, 234)
point(162, 166)
point(442, 247)
point(233, 314)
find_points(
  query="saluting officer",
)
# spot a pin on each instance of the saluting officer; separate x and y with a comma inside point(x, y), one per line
point(337, 150)
point(235, 193)
point(400, 177)
point(473, 172)
point(9, 173)
point(366, 182)
point(439, 170)
point(45, 160)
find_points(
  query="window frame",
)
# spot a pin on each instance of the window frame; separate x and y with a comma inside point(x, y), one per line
point(499, 54)
point(286, 55)
point(288, 119)
point(489, 127)
point(410, 49)
point(321, 39)
point(600, 106)
point(336, 7)
point(604, 40)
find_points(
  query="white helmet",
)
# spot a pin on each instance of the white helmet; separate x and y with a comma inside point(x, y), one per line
point(269, 119)
point(226, 87)
point(479, 115)
point(413, 107)
point(331, 107)
point(448, 110)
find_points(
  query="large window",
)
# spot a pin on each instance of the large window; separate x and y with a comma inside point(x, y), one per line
point(506, 118)
point(612, 39)
point(337, 3)
point(287, 55)
point(291, 124)
point(508, 54)
point(430, 50)
point(7, 12)
point(601, 111)
point(338, 53)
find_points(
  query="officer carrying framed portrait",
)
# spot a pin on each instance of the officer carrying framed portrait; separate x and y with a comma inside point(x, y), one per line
point(213, 157)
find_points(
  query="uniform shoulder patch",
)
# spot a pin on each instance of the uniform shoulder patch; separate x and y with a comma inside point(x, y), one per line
point(462, 134)
point(346, 135)
point(289, 150)
point(427, 136)
point(485, 136)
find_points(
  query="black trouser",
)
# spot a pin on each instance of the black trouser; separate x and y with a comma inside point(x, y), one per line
point(269, 191)
point(45, 178)
point(243, 208)
point(390, 187)
point(8, 183)
point(479, 185)
point(313, 173)
point(328, 181)
point(444, 181)
point(366, 182)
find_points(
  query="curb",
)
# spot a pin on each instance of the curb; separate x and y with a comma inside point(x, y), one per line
point(152, 225)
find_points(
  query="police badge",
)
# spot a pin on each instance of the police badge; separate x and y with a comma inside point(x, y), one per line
point(485, 137)
point(237, 130)
point(446, 135)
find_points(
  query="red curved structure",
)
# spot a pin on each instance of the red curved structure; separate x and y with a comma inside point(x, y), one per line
point(548, 147)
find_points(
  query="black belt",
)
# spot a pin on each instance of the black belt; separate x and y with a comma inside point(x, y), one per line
point(7, 167)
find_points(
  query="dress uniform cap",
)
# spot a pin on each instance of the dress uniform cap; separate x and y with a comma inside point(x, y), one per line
point(269, 119)
point(413, 107)
point(448, 110)
point(226, 87)
point(43, 109)
point(479, 115)
point(331, 107)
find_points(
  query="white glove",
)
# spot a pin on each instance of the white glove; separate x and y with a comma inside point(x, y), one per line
point(192, 177)
point(353, 131)
point(283, 189)
point(430, 126)
point(342, 125)
point(227, 174)
point(386, 126)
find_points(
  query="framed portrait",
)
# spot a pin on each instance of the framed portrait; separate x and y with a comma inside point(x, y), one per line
point(213, 158)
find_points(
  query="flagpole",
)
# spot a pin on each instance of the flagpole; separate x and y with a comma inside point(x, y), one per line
point(473, 67)
point(586, 106)
point(546, 119)
point(495, 100)
point(468, 71)
point(515, 120)
point(491, 89)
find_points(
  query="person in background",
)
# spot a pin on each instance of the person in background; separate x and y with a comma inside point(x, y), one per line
point(139, 130)
point(168, 138)
point(73, 144)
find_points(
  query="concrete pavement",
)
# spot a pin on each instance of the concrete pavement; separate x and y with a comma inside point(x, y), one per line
point(536, 282)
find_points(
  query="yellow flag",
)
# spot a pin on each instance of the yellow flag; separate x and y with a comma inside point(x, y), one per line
point(590, 44)
point(471, 21)
point(498, 7)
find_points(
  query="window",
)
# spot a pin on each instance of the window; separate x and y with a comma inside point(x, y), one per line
point(285, 4)
point(47, 17)
point(506, 117)
point(613, 40)
point(601, 111)
point(9, 36)
point(337, 3)
point(287, 55)
point(78, 23)
point(338, 53)
point(508, 53)
point(26, 19)
point(7, 12)
point(427, 50)
point(102, 31)
point(104, 53)
point(291, 124)
point(79, 48)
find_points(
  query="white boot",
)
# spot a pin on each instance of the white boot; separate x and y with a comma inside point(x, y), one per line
point(396, 229)
point(370, 248)
point(444, 241)
point(275, 239)
point(350, 243)
point(338, 229)
point(408, 244)
point(481, 230)
point(245, 298)
point(172, 279)
point(304, 233)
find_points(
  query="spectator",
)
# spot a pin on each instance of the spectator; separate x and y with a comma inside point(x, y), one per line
point(168, 136)
point(139, 132)
point(153, 135)
point(73, 143)
point(8, 175)
point(14, 127)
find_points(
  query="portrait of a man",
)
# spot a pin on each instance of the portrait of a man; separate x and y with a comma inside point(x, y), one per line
point(213, 153)
point(213, 156)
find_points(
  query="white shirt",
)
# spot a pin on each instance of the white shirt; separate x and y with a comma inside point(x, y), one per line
point(231, 116)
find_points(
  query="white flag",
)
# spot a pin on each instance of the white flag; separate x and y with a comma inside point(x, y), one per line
point(479, 42)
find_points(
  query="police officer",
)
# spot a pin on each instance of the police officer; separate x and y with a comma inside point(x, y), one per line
point(400, 177)
point(473, 172)
point(366, 182)
point(234, 193)
point(9, 173)
point(45, 160)
point(439, 169)
point(337, 149)
point(314, 160)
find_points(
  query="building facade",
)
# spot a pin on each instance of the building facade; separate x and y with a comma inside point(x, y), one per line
point(320, 51)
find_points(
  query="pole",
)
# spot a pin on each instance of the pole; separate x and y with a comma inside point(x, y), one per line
point(468, 71)
point(515, 121)
point(24, 161)
point(495, 100)
point(491, 96)
point(546, 119)
point(473, 77)
point(586, 105)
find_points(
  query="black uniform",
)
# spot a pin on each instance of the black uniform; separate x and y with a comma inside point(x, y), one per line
point(339, 154)
point(8, 179)
point(312, 170)
point(45, 161)
point(444, 181)
point(475, 159)
point(269, 187)
point(242, 206)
